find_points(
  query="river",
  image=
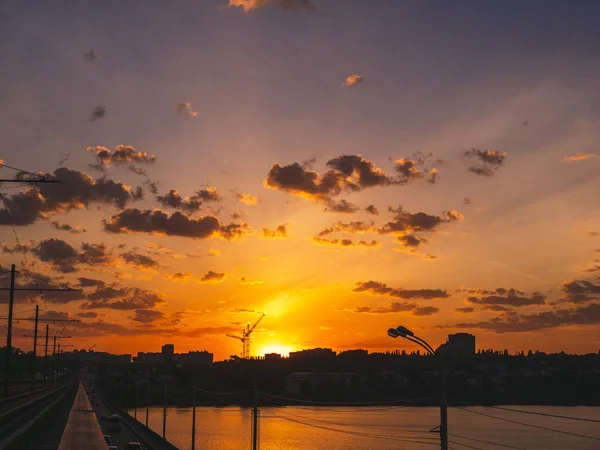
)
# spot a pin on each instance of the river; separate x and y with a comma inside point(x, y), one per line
point(375, 428)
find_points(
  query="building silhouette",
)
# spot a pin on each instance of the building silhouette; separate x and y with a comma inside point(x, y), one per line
point(168, 351)
point(459, 344)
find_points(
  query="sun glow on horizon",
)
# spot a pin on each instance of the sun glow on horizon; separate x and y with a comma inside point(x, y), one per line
point(283, 350)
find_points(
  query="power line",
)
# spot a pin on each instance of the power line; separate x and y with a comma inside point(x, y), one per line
point(545, 415)
point(347, 409)
point(356, 433)
point(528, 424)
point(362, 425)
point(346, 403)
point(487, 442)
point(203, 391)
point(465, 445)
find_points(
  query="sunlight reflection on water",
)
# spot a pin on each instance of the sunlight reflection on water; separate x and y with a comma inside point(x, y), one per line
point(310, 428)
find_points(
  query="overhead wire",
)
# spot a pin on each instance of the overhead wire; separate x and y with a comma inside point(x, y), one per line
point(465, 445)
point(522, 411)
point(204, 391)
point(356, 433)
point(315, 402)
point(528, 424)
point(481, 441)
point(362, 425)
point(21, 170)
point(340, 408)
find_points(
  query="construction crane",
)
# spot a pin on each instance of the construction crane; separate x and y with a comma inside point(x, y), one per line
point(245, 337)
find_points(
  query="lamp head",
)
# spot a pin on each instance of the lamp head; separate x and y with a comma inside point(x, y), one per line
point(393, 333)
point(403, 330)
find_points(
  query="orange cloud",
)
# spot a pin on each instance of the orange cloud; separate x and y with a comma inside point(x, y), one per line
point(247, 199)
point(345, 243)
point(353, 80)
point(581, 157)
point(278, 233)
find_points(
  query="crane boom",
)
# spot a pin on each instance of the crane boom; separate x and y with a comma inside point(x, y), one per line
point(235, 337)
point(245, 337)
point(251, 329)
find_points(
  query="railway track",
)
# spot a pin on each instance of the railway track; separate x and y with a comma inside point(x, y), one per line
point(19, 412)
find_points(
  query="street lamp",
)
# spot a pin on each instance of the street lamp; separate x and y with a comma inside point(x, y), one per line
point(405, 333)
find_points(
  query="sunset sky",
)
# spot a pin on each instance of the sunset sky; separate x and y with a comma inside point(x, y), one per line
point(343, 166)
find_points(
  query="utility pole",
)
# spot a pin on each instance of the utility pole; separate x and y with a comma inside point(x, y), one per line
point(33, 365)
point(165, 414)
point(12, 290)
point(58, 364)
point(46, 357)
point(194, 417)
point(443, 408)
point(255, 421)
point(53, 359)
point(9, 331)
point(135, 402)
point(147, 400)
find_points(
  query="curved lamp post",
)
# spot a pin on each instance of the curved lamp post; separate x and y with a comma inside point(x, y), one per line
point(405, 333)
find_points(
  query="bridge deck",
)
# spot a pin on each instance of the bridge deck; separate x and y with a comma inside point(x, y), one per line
point(82, 430)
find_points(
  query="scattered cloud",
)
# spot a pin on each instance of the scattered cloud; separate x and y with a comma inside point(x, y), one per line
point(580, 291)
point(465, 310)
point(147, 316)
point(102, 295)
point(580, 157)
point(90, 56)
point(137, 170)
point(76, 190)
point(279, 232)
point(372, 209)
point(346, 173)
point(123, 154)
point(396, 307)
point(309, 163)
point(286, 5)
point(593, 266)
point(87, 315)
point(250, 282)
point(505, 297)
point(98, 113)
point(237, 215)
point(346, 243)
point(63, 257)
point(64, 157)
point(212, 277)
point(489, 161)
point(411, 243)
point(189, 204)
point(140, 262)
point(16, 248)
point(467, 201)
point(185, 109)
point(133, 220)
point(512, 322)
point(66, 227)
point(593, 234)
point(353, 80)
point(343, 206)
point(247, 199)
point(152, 186)
point(376, 287)
point(407, 170)
point(179, 276)
point(406, 223)
point(353, 227)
